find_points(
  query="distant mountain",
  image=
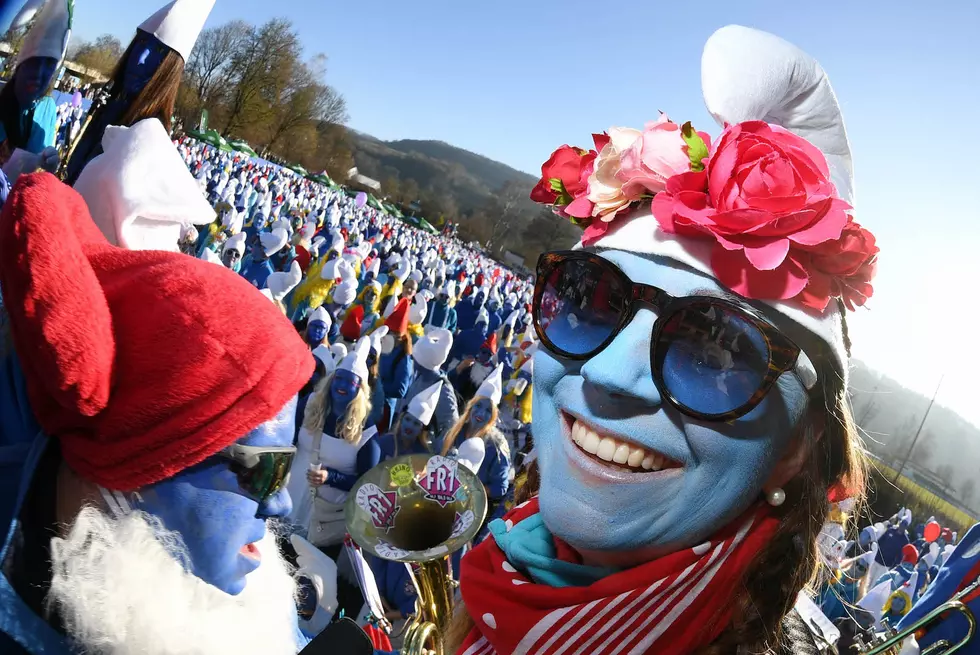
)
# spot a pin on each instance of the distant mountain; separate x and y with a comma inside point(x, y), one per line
point(468, 178)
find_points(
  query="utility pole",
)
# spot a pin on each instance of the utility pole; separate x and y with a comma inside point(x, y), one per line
point(919, 431)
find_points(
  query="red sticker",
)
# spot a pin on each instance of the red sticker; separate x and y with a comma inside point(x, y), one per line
point(440, 482)
point(380, 504)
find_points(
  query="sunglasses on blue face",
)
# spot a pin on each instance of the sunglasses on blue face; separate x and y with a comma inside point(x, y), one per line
point(261, 471)
point(712, 358)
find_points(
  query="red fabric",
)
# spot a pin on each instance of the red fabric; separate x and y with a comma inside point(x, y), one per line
point(491, 342)
point(303, 257)
point(378, 638)
point(397, 322)
point(910, 554)
point(351, 327)
point(669, 606)
point(142, 363)
point(480, 279)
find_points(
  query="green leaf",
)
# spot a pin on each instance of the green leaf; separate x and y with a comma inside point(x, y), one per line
point(696, 148)
point(558, 187)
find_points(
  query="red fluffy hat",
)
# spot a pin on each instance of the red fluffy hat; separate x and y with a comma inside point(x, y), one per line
point(142, 363)
point(351, 327)
point(491, 342)
point(397, 322)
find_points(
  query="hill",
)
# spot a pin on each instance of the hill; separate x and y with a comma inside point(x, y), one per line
point(469, 179)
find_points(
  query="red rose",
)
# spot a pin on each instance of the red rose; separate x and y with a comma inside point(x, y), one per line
point(767, 200)
point(843, 269)
point(564, 167)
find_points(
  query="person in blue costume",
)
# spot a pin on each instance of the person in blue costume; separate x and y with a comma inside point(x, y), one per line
point(147, 77)
point(429, 354)
point(495, 311)
point(841, 593)
point(28, 116)
point(661, 427)
point(891, 544)
point(468, 309)
point(318, 328)
point(260, 267)
point(468, 342)
point(471, 373)
point(397, 366)
point(375, 385)
point(410, 433)
point(441, 313)
point(335, 448)
point(960, 570)
point(141, 456)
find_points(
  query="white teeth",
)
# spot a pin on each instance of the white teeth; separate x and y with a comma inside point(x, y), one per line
point(607, 448)
point(611, 450)
point(590, 442)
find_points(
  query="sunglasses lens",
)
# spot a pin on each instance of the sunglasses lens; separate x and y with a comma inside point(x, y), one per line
point(581, 306)
point(268, 475)
point(713, 359)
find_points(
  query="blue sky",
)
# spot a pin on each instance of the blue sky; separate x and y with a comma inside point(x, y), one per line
point(513, 80)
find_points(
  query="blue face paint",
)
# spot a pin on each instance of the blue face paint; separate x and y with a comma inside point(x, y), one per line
point(217, 520)
point(724, 465)
point(316, 332)
point(410, 427)
point(343, 389)
point(145, 57)
point(32, 78)
point(481, 413)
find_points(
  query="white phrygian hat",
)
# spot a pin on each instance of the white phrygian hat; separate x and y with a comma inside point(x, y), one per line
point(423, 405)
point(50, 33)
point(178, 24)
point(493, 386)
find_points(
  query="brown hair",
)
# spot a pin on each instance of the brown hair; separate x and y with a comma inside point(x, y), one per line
point(768, 590)
point(158, 96)
point(449, 441)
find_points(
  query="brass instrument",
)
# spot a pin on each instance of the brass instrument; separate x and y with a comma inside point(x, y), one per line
point(419, 509)
point(890, 641)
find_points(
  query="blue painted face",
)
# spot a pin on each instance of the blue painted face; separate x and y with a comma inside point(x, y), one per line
point(480, 297)
point(723, 466)
point(316, 332)
point(215, 517)
point(145, 57)
point(32, 78)
point(484, 356)
point(481, 413)
point(493, 305)
point(410, 427)
point(343, 389)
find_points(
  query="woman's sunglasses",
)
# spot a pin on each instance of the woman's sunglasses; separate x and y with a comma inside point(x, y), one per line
point(711, 358)
point(262, 472)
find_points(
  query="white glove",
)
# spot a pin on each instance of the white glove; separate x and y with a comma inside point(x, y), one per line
point(322, 572)
point(50, 159)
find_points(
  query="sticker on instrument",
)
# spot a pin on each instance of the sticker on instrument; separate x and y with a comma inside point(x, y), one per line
point(401, 475)
point(462, 523)
point(387, 551)
point(440, 482)
point(380, 504)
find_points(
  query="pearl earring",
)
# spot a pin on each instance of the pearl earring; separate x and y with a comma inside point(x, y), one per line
point(776, 497)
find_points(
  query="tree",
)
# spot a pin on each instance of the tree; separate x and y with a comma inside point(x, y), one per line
point(102, 55)
point(547, 231)
point(502, 211)
point(208, 71)
point(968, 491)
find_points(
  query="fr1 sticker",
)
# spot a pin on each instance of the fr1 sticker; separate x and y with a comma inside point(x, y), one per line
point(440, 482)
point(387, 551)
point(379, 504)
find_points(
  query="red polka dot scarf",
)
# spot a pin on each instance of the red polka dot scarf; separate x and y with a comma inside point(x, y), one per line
point(672, 605)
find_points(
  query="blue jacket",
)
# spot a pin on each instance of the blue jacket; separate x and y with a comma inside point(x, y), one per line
point(377, 403)
point(257, 273)
point(467, 343)
point(394, 583)
point(494, 472)
point(442, 316)
point(466, 313)
point(396, 370)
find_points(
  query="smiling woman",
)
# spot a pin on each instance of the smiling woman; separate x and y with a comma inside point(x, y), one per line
point(690, 407)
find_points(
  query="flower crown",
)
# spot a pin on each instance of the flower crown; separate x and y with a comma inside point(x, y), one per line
point(760, 192)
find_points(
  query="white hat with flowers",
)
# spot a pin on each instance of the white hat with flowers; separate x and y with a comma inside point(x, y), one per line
point(765, 208)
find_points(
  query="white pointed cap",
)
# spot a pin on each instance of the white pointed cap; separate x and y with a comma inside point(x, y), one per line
point(209, 256)
point(236, 242)
point(325, 355)
point(178, 24)
point(377, 336)
point(273, 242)
point(281, 283)
point(345, 292)
point(419, 309)
point(322, 315)
point(432, 349)
point(423, 405)
point(356, 359)
point(50, 33)
point(131, 213)
point(375, 266)
point(511, 320)
point(528, 366)
point(869, 557)
point(339, 351)
point(493, 386)
point(483, 316)
point(874, 601)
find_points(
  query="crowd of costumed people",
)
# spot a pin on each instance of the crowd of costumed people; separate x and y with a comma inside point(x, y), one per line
point(205, 355)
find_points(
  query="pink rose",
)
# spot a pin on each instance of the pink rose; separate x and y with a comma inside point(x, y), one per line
point(605, 186)
point(659, 153)
point(767, 200)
